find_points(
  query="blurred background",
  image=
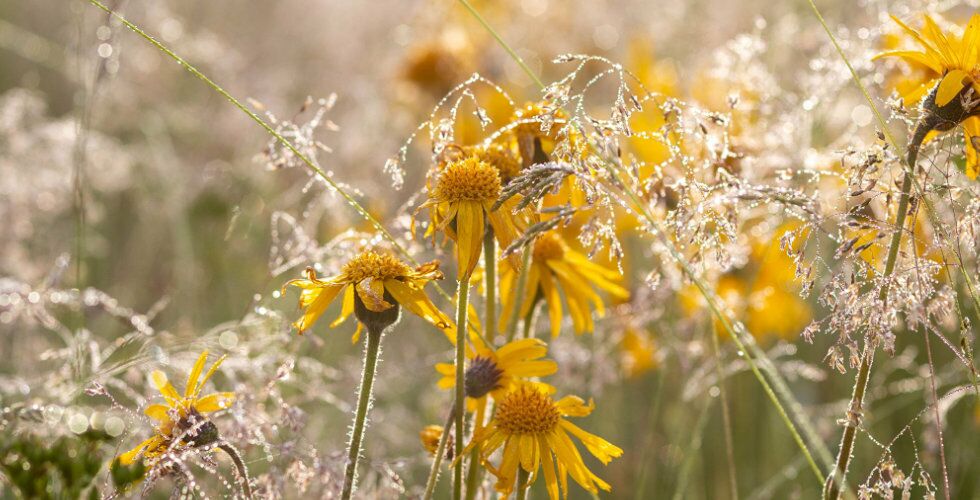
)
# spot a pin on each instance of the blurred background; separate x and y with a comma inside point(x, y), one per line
point(144, 218)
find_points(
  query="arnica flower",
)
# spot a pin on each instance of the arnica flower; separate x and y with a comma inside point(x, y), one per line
point(953, 64)
point(461, 205)
point(379, 281)
point(531, 428)
point(638, 353)
point(182, 417)
point(430, 436)
point(494, 372)
point(555, 265)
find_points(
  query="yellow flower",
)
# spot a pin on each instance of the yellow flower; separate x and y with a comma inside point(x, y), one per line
point(461, 205)
point(531, 428)
point(554, 265)
point(494, 372)
point(430, 436)
point(377, 280)
point(638, 353)
point(182, 417)
point(952, 62)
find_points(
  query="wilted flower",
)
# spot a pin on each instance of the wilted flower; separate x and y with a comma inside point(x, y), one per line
point(531, 428)
point(182, 417)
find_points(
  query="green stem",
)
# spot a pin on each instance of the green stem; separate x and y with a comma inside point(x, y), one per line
point(430, 484)
point(527, 328)
point(522, 476)
point(490, 285)
point(363, 403)
point(473, 474)
point(725, 414)
point(692, 452)
point(837, 480)
point(519, 293)
point(240, 468)
point(510, 51)
point(461, 310)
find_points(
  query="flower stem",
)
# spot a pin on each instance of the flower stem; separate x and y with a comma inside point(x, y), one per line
point(473, 474)
point(462, 307)
point(725, 414)
point(363, 404)
point(490, 285)
point(240, 467)
point(834, 484)
point(430, 484)
point(527, 330)
point(522, 476)
point(519, 292)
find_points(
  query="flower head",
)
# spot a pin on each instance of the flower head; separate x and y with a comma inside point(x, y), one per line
point(534, 433)
point(377, 281)
point(494, 372)
point(461, 205)
point(554, 266)
point(948, 69)
point(182, 419)
point(430, 436)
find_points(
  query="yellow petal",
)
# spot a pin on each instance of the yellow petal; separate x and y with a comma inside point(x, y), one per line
point(950, 85)
point(195, 374)
point(346, 308)
point(207, 376)
point(469, 230)
point(158, 412)
point(214, 402)
point(165, 387)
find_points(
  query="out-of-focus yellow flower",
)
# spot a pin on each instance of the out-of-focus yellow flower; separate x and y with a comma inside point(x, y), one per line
point(768, 303)
point(436, 66)
point(555, 266)
point(494, 372)
point(658, 77)
point(461, 206)
point(638, 352)
point(531, 428)
point(430, 436)
point(952, 62)
point(377, 280)
point(182, 417)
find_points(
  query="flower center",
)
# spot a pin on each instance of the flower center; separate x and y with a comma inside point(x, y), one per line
point(370, 264)
point(500, 158)
point(548, 246)
point(470, 179)
point(527, 411)
point(482, 376)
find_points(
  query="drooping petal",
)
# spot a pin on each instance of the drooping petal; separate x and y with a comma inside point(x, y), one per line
point(372, 292)
point(315, 301)
point(600, 448)
point(346, 307)
point(553, 301)
point(416, 301)
point(971, 132)
point(129, 457)
point(469, 231)
point(548, 465)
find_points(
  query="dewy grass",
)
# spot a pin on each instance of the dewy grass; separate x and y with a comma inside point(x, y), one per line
point(709, 295)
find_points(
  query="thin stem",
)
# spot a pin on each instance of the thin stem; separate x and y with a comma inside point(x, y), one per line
point(473, 474)
point(697, 435)
point(239, 467)
point(430, 484)
point(527, 327)
point(461, 316)
point(363, 404)
point(522, 476)
point(519, 292)
point(652, 426)
point(834, 484)
point(490, 285)
point(510, 51)
point(938, 416)
point(726, 416)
